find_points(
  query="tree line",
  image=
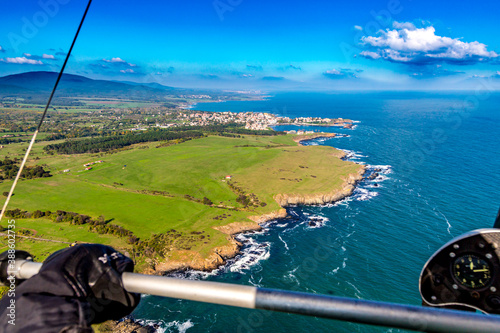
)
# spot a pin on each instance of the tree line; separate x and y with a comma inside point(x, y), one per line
point(103, 144)
point(9, 169)
point(233, 128)
point(99, 225)
point(156, 245)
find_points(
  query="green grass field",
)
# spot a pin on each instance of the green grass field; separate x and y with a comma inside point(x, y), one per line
point(63, 232)
point(264, 166)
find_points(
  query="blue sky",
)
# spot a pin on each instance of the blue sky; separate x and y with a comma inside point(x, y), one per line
point(261, 45)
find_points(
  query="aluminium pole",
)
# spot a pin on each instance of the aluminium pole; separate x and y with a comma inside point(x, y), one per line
point(340, 308)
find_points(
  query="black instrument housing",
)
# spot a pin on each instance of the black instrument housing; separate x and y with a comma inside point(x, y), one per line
point(439, 287)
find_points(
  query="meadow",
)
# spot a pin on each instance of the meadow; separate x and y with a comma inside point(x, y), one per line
point(190, 187)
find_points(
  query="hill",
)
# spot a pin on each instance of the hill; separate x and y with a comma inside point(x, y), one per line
point(39, 84)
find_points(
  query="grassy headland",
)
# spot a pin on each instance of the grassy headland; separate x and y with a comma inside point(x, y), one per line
point(176, 195)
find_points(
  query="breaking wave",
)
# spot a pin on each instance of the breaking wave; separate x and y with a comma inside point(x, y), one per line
point(167, 327)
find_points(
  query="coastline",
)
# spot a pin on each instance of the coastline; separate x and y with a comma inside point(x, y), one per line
point(299, 139)
point(347, 123)
point(191, 260)
point(256, 97)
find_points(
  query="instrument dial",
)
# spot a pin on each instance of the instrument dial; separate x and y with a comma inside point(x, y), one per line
point(472, 271)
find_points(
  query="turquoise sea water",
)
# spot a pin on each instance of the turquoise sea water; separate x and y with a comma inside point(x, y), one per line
point(438, 156)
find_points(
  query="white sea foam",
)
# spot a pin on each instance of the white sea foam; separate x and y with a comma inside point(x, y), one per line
point(319, 140)
point(352, 155)
point(357, 291)
point(381, 169)
point(343, 202)
point(342, 266)
point(251, 254)
point(362, 194)
point(291, 276)
point(448, 228)
point(375, 174)
point(163, 327)
point(350, 234)
point(181, 327)
point(252, 281)
point(284, 243)
point(317, 221)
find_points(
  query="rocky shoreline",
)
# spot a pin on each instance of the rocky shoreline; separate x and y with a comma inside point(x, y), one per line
point(308, 137)
point(187, 260)
point(285, 200)
point(126, 325)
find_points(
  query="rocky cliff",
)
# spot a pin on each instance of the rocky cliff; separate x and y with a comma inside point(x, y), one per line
point(193, 260)
point(307, 137)
point(279, 214)
point(347, 189)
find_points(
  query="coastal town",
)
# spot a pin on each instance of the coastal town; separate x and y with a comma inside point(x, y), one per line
point(251, 120)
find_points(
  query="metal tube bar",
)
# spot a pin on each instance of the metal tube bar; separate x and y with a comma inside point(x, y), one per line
point(376, 313)
point(201, 291)
point(345, 309)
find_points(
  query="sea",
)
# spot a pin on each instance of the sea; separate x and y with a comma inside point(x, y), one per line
point(436, 155)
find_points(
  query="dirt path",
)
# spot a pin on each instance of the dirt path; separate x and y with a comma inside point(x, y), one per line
point(37, 238)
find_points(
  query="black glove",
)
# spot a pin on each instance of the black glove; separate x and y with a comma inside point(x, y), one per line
point(76, 287)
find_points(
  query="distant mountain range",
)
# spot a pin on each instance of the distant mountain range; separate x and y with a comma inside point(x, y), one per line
point(35, 84)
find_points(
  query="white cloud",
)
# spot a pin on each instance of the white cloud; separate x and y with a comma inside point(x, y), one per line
point(408, 44)
point(342, 73)
point(403, 25)
point(358, 27)
point(119, 62)
point(333, 72)
point(37, 57)
point(369, 54)
point(114, 60)
point(127, 71)
point(22, 61)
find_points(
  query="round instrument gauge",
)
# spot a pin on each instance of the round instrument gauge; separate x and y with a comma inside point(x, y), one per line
point(472, 271)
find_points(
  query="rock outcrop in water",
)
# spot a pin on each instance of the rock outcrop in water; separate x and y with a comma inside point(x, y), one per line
point(125, 326)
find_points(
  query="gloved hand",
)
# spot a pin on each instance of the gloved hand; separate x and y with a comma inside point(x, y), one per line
point(76, 287)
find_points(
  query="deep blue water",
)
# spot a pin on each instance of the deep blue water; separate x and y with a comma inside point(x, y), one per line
point(440, 158)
